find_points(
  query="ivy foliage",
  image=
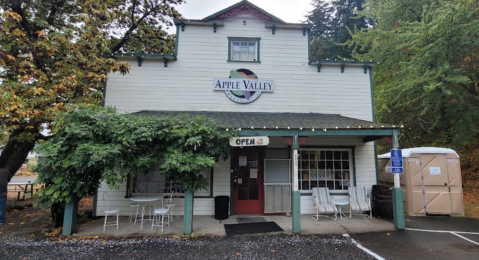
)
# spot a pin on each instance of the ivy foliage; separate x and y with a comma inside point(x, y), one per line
point(95, 144)
point(428, 73)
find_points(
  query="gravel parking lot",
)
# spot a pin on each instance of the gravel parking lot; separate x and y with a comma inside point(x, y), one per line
point(277, 246)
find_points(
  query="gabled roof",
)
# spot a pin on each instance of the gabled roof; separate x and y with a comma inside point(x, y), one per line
point(243, 7)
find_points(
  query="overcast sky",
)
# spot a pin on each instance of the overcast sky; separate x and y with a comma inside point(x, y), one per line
point(291, 11)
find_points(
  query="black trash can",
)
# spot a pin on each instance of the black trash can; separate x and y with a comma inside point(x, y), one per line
point(385, 206)
point(382, 201)
point(222, 205)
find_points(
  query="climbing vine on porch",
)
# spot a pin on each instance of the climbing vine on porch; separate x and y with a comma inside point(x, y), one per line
point(94, 144)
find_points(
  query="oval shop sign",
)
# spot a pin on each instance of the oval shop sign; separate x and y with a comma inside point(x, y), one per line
point(243, 86)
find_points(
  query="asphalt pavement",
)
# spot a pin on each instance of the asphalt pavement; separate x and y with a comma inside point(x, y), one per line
point(429, 237)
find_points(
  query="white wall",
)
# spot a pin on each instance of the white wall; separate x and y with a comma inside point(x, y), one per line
point(187, 84)
point(202, 206)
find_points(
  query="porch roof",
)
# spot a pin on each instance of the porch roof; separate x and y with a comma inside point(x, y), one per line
point(309, 124)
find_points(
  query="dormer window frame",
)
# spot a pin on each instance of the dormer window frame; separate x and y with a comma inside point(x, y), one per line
point(242, 40)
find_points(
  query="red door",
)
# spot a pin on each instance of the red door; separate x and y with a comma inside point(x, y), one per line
point(247, 171)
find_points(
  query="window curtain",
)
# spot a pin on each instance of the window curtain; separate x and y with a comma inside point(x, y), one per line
point(236, 51)
point(245, 51)
point(251, 51)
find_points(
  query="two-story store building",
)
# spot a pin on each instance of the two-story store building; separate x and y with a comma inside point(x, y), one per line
point(303, 122)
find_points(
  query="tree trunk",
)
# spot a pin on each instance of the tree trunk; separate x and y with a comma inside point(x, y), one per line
point(16, 150)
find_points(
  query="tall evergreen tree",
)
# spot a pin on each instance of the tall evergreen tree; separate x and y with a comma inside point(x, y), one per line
point(332, 23)
point(428, 71)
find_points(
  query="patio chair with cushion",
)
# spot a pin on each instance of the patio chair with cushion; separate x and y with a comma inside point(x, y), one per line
point(324, 203)
point(359, 200)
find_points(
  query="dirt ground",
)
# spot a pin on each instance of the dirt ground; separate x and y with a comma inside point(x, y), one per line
point(27, 220)
point(471, 202)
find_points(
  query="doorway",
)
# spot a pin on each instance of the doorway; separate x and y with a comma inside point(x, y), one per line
point(247, 176)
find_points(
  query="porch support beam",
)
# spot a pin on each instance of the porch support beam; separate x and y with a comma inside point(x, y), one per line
point(373, 133)
point(70, 218)
point(188, 213)
point(397, 193)
point(296, 203)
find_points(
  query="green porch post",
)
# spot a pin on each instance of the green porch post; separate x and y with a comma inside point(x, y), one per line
point(188, 214)
point(397, 193)
point(71, 216)
point(296, 203)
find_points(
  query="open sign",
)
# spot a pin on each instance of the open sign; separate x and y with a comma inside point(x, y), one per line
point(249, 141)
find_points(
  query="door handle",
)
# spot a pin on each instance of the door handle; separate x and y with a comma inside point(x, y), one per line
point(445, 184)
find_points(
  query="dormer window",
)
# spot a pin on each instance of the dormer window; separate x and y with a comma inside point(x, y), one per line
point(243, 49)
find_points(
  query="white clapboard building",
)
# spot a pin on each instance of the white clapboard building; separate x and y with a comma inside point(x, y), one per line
point(304, 122)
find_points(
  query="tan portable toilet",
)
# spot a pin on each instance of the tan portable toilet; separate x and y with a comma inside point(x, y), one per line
point(431, 180)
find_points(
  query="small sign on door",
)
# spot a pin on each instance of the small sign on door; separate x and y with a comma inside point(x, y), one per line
point(243, 161)
point(253, 173)
point(435, 170)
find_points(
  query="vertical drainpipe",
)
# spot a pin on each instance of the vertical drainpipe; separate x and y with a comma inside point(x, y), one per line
point(398, 200)
point(296, 203)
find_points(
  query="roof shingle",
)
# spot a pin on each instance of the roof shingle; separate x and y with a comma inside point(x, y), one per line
point(276, 120)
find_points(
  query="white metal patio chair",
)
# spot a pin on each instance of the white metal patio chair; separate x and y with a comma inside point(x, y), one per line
point(159, 214)
point(110, 211)
point(324, 203)
point(170, 203)
point(359, 200)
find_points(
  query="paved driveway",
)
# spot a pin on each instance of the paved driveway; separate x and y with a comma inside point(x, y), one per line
point(427, 238)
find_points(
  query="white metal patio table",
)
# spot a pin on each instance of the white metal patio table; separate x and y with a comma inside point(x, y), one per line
point(343, 202)
point(144, 200)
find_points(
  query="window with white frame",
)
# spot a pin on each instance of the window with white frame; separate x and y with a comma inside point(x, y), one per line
point(155, 182)
point(330, 168)
point(243, 49)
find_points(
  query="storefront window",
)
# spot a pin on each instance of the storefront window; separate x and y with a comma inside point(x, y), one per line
point(330, 168)
point(155, 182)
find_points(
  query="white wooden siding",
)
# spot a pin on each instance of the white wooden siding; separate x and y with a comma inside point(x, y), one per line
point(222, 178)
point(187, 84)
point(202, 206)
point(365, 176)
